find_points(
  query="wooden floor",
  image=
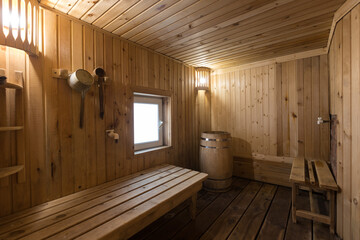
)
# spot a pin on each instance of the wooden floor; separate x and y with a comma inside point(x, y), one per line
point(250, 210)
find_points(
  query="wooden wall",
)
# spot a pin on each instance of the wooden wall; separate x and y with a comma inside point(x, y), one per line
point(271, 111)
point(344, 62)
point(61, 158)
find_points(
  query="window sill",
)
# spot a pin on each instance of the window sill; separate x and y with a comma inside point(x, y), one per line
point(162, 148)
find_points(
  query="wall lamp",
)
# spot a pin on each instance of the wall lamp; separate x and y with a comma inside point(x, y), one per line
point(202, 78)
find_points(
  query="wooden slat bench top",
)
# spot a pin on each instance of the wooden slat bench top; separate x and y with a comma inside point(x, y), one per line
point(298, 170)
point(303, 174)
point(113, 210)
point(321, 177)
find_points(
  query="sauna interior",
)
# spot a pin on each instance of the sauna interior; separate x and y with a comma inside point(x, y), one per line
point(180, 119)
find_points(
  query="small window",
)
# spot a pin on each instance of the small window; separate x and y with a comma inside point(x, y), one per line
point(148, 122)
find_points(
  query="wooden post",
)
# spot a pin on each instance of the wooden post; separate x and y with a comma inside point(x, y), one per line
point(332, 212)
point(293, 209)
point(192, 206)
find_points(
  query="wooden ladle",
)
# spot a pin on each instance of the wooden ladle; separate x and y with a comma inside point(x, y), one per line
point(81, 81)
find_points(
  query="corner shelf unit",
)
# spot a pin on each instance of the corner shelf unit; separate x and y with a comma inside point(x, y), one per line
point(19, 168)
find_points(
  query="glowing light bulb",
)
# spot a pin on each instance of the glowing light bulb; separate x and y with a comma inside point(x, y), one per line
point(6, 17)
point(14, 19)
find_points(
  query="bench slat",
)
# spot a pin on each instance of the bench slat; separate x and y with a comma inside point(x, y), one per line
point(75, 196)
point(65, 211)
point(298, 171)
point(326, 180)
point(311, 172)
point(110, 208)
point(125, 225)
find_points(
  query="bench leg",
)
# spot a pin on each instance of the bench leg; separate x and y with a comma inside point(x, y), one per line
point(293, 204)
point(192, 206)
point(332, 212)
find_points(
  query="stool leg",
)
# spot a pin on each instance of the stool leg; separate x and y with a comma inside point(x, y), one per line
point(193, 206)
point(293, 204)
point(332, 212)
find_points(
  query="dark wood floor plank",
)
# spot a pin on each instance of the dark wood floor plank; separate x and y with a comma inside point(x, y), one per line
point(250, 223)
point(223, 226)
point(169, 229)
point(302, 230)
point(274, 226)
point(202, 222)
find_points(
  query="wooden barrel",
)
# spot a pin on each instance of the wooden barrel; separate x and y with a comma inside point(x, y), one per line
point(216, 160)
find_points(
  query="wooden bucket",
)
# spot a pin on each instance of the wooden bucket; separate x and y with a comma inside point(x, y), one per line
point(216, 160)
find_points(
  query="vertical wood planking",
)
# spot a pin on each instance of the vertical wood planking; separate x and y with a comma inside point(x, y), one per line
point(273, 117)
point(279, 112)
point(300, 106)
point(346, 121)
point(53, 163)
point(64, 158)
point(339, 132)
point(64, 101)
point(89, 114)
point(77, 62)
point(101, 163)
point(293, 109)
point(354, 170)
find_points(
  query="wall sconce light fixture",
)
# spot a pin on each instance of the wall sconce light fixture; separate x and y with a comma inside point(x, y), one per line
point(202, 78)
point(19, 24)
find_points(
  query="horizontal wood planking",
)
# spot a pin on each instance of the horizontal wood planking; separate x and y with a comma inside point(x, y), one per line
point(66, 159)
point(185, 30)
point(344, 55)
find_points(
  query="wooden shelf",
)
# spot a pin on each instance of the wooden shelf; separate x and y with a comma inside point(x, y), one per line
point(15, 128)
point(7, 171)
point(11, 85)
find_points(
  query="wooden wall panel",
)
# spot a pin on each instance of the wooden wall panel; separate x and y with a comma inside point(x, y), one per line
point(278, 107)
point(61, 158)
point(344, 57)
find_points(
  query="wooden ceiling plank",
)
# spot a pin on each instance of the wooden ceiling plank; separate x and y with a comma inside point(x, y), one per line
point(175, 18)
point(252, 35)
point(264, 42)
point(162, 16)
point(81, 7)
point(65, 5)
point(296, 46)
point(288, 12)
point(50, 3)
point(118, 8)
point(128, 15)
point(144, 16)
point(250, 29)
point(219, 49)
point(265, 53)
point(98, 10)
point(209, 23)
point(249, 47)
point(247, 34)
point(185, 22)
point(306, 41)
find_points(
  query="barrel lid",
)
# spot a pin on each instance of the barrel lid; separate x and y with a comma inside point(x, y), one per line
point(215, 134)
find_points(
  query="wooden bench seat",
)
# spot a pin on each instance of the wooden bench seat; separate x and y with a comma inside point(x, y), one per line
point(113, 210)
point(313, 174)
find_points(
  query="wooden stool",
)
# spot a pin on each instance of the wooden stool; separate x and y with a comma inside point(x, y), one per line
point(304, 175)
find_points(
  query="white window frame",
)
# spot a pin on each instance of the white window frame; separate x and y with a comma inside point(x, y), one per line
point(147, 99)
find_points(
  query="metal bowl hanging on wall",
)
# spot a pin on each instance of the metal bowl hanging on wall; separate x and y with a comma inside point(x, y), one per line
point(81, 81)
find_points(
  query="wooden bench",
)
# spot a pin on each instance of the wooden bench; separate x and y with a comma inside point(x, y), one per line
point(303, 173)
point(113, 210)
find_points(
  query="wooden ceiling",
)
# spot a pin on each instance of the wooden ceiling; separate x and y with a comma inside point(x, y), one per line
point(211, 33)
